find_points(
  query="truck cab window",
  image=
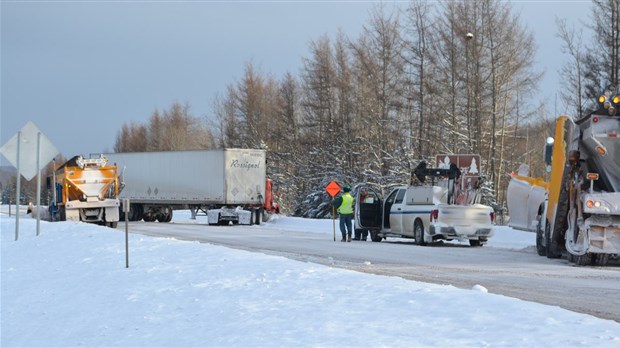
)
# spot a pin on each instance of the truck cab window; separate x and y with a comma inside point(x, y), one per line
point(391, 197)
point(399, 196)
point(386, 208)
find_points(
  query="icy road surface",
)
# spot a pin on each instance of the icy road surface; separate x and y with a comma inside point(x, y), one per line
point(509, 265)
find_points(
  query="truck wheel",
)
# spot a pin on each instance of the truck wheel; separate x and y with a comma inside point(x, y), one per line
point(601, 259)
point(583, 260)
point(259, 216)
point(112, 224)
point(549, 250)
point(418, 233)
point(375, 237)
point(475, 243)
point(165, 215)
point(149, 217)
point(135, 212)
point(540, 247)
point(252, 216)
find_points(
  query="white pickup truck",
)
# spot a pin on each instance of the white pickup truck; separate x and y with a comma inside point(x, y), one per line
point(423, 213)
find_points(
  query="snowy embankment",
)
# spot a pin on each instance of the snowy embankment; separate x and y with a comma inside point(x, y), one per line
point(70, 287)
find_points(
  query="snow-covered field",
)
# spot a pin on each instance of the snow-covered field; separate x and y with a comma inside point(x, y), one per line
point(70, 287)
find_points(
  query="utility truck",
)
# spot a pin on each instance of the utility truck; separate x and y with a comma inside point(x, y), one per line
point(426, 212)
point(227, 185)
point(577, 212)
point(86, 190)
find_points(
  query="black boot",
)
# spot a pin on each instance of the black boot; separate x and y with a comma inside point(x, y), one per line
point(344, 238)
point(349, 237)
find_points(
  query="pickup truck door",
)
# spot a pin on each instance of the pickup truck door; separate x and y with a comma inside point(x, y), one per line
point(368, 209)
point(397, 210)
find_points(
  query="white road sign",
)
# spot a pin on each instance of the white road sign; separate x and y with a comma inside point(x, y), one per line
point(28, 150)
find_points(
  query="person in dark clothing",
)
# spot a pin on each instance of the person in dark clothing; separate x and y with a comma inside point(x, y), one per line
point(361, 234)
point(344, 203)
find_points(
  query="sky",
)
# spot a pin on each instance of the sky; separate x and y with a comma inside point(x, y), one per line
point(69, 287)
point(80, 70)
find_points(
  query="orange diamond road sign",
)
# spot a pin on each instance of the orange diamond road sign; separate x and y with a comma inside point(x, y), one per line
point(332, 188)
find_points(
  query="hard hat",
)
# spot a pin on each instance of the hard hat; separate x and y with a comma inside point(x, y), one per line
point(346, 188)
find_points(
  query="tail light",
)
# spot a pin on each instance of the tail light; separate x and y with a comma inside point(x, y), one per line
point(492, 216)
point(434, 215)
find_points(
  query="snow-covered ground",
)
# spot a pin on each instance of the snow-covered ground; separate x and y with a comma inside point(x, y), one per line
point(69, 287)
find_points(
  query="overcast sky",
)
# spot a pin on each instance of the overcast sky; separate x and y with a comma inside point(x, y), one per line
point(79, 70)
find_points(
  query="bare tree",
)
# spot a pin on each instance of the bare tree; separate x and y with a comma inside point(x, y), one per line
point(379, 53)
point(603, 57)
point(418, 30)
point(174, 129)
point(572, 71)
point(131, 138)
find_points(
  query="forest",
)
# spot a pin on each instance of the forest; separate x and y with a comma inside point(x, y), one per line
point(422, 78)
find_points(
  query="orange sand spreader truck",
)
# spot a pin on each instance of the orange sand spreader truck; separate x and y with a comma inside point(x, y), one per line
point(87, 190)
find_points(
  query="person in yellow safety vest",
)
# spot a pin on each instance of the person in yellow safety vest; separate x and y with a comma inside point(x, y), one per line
point(344, 203)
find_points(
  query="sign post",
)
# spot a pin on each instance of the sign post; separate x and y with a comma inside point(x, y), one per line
point(333, 189)
point(18, 191)
point(27, 151)
point(38, 183)
point(126, 210)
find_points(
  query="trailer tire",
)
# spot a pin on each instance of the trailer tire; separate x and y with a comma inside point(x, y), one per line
point(135, 212)
point(418, 233)
point(165, 215)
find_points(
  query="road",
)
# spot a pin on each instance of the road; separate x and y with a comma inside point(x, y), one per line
point(516, 273)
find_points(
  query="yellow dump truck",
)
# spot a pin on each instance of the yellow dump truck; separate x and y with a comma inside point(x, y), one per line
point(87, 190)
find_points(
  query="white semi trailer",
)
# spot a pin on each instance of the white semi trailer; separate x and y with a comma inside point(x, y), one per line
point(229, 185)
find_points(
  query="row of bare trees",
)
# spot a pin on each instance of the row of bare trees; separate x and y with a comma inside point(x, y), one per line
point(428, 78)
point(169, 130)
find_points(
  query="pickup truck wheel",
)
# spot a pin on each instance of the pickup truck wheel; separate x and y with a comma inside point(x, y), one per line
point(540, 247)
point(475, 243)
point(418, 233)
point(375, 237)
